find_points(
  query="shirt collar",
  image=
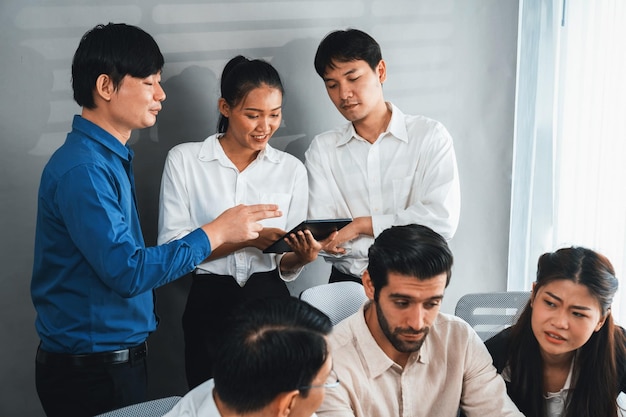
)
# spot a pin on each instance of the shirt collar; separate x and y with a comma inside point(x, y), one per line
point(211, 150)
point(396, 127)
point(98, 134)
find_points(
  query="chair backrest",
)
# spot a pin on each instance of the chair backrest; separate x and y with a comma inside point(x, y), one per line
point(337, 300)
point(153, 408)
point(489, 313)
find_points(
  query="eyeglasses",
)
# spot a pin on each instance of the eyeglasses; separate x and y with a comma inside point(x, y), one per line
point(331, 382)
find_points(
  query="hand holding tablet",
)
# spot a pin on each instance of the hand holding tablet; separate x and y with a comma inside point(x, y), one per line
point(320, 229)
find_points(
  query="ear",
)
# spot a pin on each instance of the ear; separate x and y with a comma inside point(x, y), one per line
point(104, 87)
point(368, 286)
point(381, 71)
point(223, 107)
point(602, 321)
point(532, 294)
point(285, 402)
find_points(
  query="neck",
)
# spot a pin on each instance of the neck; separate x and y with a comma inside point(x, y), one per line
point(241, 158)
point(96, 117)
point(562, 361)
point(374, 124)
point(226, 411)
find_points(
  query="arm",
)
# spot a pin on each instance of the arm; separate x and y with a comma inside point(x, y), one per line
point(484, 390)
point(434, 191)
point(233, 229)
point(305, 247)
point(358, 226)
point(337, 403)
point(267, 236)
point(325, 199)
point(174, 201)
point(96, 208)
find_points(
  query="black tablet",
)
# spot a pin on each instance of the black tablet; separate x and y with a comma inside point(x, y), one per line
point(319, 228)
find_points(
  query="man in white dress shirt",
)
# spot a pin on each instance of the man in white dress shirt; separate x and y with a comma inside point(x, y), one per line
point(274, 362)
point(399, 356)
point(383, 168)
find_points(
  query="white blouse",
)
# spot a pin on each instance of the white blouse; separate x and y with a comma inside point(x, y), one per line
point(200, 182)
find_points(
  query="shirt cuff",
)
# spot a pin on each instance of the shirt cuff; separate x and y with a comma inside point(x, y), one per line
point(199, 243)
point(289, 275)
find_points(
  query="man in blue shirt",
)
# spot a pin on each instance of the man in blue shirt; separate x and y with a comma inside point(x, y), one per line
point(93, 277)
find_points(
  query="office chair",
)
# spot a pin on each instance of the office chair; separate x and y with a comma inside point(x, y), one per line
point(489, 313)
point(153, 408)
point(337, 300)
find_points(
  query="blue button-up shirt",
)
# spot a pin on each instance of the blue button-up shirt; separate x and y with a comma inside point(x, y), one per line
point(93, 278)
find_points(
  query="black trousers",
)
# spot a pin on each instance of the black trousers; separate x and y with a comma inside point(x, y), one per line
point(76, 390)
point(338, 276)
point(211, 300)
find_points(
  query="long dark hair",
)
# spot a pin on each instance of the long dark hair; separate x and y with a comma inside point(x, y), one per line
point(596, 383)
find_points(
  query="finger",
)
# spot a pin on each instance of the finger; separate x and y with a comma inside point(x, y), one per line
point(264, 214)
point(262, 207)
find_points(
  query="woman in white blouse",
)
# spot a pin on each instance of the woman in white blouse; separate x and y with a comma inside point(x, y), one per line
point(235, 166)
point(565, 357)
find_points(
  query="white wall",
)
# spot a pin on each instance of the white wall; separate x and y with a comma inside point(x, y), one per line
point(452, 60)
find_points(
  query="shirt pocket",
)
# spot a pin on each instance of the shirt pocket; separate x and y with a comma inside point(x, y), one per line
point(282, 200)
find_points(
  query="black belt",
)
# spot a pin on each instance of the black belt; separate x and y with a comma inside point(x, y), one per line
point(101, 358)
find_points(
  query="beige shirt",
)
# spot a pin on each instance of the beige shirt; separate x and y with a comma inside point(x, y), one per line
point(453, 369)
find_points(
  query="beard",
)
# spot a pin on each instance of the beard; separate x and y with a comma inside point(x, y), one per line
point(394, 335)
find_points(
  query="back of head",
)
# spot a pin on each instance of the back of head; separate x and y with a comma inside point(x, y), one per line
point(273, 345)
point(115, 49)
point(344, 46)
point(412, 250)
point(240, 76)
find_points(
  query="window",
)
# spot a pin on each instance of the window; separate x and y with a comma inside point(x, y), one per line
point(569, 179)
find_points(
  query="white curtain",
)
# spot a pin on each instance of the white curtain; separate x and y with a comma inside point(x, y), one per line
point(590, 145)
point(569, 177)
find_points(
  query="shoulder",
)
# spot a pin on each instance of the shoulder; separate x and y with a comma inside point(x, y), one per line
point(187, 148)
point(419, 126)
point(450, 323)
point(330, 137)
point(451, 332)
point(284, 158)
point(344, 333)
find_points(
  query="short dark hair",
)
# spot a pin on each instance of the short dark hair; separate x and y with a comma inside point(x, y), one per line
point(273, 345)
point(344, 46)
point(412, 250)
point(115, 49)
point(240, 76)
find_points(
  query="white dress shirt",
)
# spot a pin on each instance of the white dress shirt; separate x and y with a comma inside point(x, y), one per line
point(452, 370)
point(408, 175)
point(200, 182)
point(198, 402)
